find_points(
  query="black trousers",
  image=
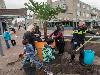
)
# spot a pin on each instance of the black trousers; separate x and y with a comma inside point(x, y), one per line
point(60, 47)
point(60, 44)
point(74, 47)
point(13, 42)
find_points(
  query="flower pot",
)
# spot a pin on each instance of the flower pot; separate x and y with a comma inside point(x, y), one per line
point(39, 46)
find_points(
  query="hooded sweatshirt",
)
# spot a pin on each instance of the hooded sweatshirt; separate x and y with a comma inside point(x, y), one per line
point(6, 35)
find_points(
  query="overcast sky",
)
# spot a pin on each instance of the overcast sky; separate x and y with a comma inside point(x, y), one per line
point(20, 3)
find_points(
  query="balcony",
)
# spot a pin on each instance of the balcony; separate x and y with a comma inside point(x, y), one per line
point(64, 7)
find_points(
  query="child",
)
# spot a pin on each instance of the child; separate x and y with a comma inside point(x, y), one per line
point(48, 52)
point(13, 42)
point(30, 54)
point(7, 37)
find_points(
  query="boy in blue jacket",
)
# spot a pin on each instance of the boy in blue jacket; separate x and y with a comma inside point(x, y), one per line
point(30, 55)
point(7, 37)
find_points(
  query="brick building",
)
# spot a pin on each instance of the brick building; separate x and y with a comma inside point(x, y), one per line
point(76, 10)
point(2, 4)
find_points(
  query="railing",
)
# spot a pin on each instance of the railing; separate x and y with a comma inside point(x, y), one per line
point(65, 36)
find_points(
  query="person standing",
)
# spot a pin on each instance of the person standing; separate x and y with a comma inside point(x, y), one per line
point(13, 35)
point(62, 28)
point(37, 34)
point(19, 27)
point(29, 35)
point(24, 26)
point(55, 27)
point(4, 25)
point(7, 37)
point(30, 63)
point(78, 40)
point(30, 54)
point(59, 39)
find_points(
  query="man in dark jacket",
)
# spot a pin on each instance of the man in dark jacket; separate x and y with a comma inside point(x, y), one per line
point(37, 34)
point(4, 25)
point(78, 39)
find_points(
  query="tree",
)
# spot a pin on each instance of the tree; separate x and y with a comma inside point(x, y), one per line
point(43, 11)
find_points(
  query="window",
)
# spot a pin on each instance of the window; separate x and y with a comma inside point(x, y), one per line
point(87, 15)
point(79, 5)
point(78, 13)
point(84, 14)
point(88, 8)
point(63, 6)
point(93, 11)
point(84, 6)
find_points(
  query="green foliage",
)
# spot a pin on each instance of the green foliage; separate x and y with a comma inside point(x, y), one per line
point(43, 10)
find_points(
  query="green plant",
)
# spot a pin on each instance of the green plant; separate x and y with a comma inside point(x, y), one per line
point(43, 11)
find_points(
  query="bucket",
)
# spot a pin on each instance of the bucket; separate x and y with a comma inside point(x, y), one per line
point(39, 46)
point(88, 57)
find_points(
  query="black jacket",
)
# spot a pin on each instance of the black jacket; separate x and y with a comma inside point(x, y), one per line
point(79, 35)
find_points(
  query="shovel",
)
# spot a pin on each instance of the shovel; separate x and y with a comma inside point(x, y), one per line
point(85, 43)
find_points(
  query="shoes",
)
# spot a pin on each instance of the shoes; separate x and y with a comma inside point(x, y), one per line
point(8, 48)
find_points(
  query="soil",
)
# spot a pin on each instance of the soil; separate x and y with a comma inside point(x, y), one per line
point(61, 65)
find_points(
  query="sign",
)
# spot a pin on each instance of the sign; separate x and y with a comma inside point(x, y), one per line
point(21, 12)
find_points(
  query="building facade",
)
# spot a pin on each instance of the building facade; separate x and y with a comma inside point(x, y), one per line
point(2, 4)
point(75, 10)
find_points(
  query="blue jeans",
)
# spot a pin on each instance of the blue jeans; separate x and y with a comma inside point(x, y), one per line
point(7, 43)
point(31, 58)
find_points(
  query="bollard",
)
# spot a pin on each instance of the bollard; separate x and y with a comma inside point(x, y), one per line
point(1, 50)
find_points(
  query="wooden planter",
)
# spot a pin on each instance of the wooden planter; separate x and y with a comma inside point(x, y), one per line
point(39, 46)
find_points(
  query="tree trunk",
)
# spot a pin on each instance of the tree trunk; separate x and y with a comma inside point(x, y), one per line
point(45, 30)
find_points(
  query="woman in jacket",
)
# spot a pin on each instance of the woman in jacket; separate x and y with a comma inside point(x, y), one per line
point(59, 39)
